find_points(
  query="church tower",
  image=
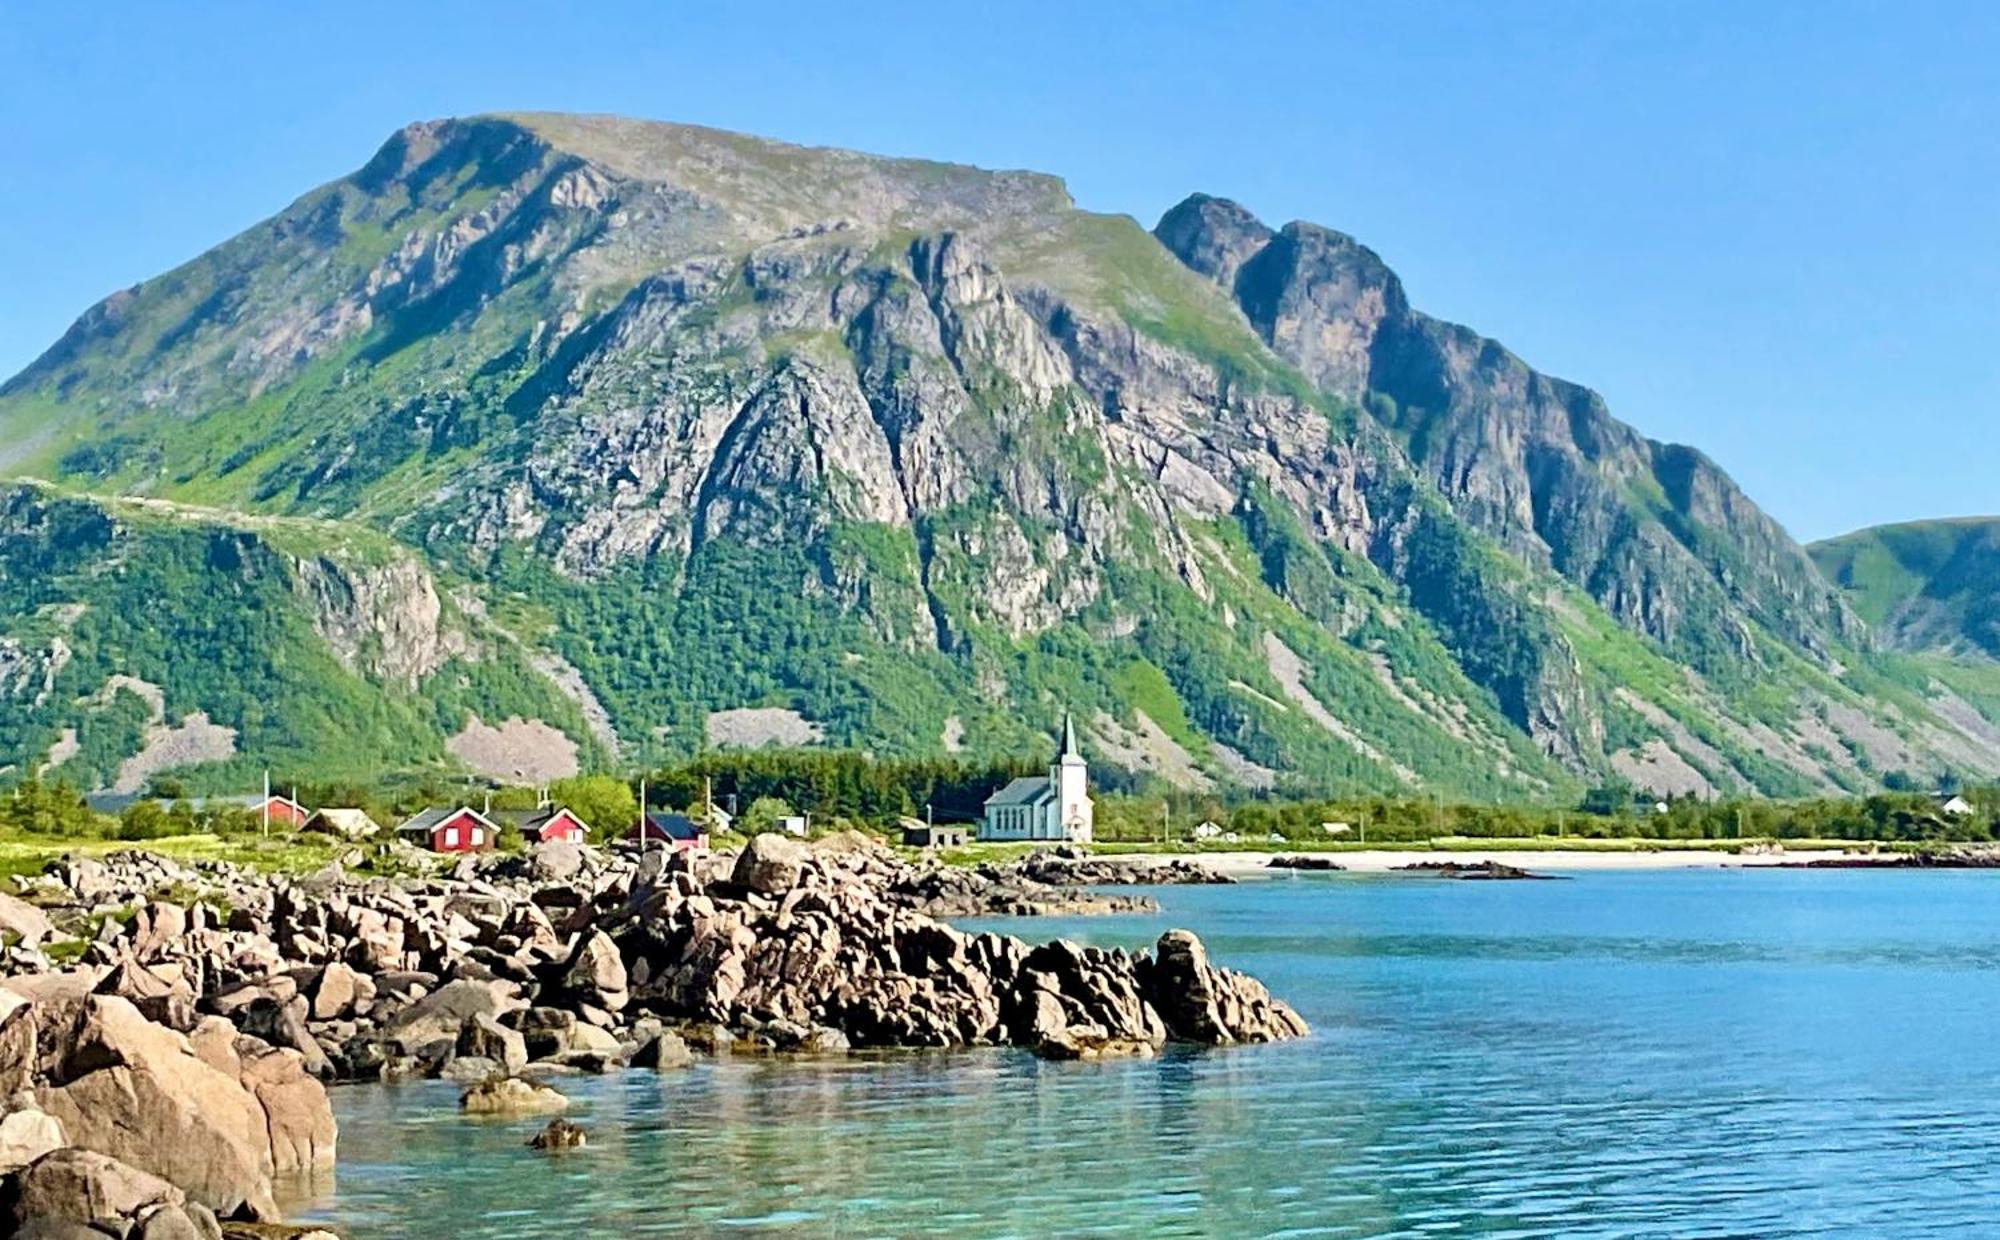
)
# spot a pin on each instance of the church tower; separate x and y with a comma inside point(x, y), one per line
point(1070, 779)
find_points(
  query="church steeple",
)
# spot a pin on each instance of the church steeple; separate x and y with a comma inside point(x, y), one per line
point(1069, 749)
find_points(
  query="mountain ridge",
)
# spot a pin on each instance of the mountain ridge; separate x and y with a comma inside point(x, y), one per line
point(920, 453)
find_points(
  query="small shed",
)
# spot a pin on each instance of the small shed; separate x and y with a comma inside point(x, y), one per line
point(939, 835)
point(450, 830)
point(676, 831)
point(347, 823)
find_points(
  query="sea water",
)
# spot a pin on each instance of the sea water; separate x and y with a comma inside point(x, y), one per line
point(1680, 1053)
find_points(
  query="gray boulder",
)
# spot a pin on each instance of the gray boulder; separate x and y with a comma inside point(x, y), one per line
point(770, 864)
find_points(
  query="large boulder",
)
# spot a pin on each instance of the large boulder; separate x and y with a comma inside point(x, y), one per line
point(297, 1115)
point(1201, 1003)
point(596, 974)
point(556, 861)
point(26, 1134)
point(18, 1044)
point(334, 992)
point(511, 1096)
point(85, 1188)
point(28, 924)
point(136, 1091)
point(771, 864)
point(439, 1016)
point(483, 1037)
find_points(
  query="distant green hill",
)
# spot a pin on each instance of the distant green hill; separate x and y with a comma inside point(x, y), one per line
point(1930, 586)
point(552, 441)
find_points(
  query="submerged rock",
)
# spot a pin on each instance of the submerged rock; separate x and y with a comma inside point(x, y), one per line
point(559, 1135)
point(1470, 870)
point(511, 1095)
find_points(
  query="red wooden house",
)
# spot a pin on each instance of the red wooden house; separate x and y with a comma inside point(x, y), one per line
point(675, 831)
point(547, 824)
point(450, 830)
point(283, 811)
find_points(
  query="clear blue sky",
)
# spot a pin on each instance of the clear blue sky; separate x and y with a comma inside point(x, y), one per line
point(1770, 230)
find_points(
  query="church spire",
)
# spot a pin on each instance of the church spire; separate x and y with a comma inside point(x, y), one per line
point(1069, 738)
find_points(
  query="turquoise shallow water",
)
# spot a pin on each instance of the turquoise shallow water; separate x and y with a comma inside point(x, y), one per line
point(1684, 1053)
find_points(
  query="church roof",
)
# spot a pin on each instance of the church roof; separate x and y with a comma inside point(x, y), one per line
point(1069, 749)
point(1027, 790)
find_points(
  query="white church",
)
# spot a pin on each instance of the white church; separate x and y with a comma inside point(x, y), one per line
point(1055, 806)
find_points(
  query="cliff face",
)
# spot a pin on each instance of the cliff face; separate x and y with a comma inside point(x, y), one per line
point(1655, 533)
point(923, 454)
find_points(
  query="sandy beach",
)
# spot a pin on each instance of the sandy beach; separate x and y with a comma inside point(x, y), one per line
point(1552, 860)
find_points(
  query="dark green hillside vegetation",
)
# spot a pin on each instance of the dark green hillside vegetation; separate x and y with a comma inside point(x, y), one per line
point(125, 624)
point(576, 444)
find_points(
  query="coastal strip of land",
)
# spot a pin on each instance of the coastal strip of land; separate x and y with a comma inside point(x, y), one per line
point(1257, 864)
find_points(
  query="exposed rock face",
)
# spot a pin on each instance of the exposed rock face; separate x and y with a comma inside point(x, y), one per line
point(386, 620)
point(1538, 463)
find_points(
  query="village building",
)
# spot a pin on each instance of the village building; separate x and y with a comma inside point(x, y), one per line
point(675, 831)
point(546, 824)
point(348, 824)
point(1955, 805)
point(920, 834)
point(1055, 806)
point(450, 830)
point(281, 810)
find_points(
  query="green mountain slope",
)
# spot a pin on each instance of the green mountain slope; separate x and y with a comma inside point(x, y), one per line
point(695, 439)
point(1923, 586)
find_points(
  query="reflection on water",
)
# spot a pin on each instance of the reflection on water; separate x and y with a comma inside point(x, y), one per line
point(1692, 1053)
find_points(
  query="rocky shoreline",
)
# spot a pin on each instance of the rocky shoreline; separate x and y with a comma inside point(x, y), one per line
point(167, 1032)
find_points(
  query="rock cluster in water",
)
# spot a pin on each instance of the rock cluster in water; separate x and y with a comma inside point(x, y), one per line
point(175, 1069)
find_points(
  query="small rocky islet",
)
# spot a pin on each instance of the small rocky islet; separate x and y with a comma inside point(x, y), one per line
point(168, 1031)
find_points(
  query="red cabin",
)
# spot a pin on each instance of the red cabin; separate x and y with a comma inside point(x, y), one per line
point(450, 830)
point(547, 824)
point(675, 831)
point(283, 811)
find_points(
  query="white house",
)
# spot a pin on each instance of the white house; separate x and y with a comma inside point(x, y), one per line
point(1956, 806)
point(1055, 806)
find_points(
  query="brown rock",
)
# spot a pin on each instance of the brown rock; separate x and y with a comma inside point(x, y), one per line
point(334, 993)
point(297, 1115)
point(137, 1092)
point(84, 1186)
point(23, 920)
point(511, 1096)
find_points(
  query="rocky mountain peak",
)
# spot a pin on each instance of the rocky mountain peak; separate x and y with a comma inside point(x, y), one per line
point(1214, 236)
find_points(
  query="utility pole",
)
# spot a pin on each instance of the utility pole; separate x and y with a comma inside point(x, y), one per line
point(640, 826)
point(264, 806)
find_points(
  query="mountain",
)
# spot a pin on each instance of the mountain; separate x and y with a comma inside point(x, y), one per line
point(546, 440)
point(1923, 586)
